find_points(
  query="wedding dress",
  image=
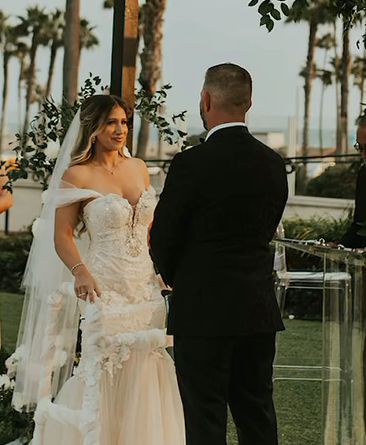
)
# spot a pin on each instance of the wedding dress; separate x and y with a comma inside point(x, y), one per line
point(124, 390)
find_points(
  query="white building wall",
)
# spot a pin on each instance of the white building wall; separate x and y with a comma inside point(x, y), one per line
point(27, 204)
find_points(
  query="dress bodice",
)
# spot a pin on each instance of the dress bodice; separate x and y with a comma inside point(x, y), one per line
point(118, 259)
point(111, 218)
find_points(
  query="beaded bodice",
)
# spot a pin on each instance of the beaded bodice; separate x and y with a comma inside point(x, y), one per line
point(118, 259)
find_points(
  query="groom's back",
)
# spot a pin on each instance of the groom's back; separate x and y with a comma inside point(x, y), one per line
point(224, 279)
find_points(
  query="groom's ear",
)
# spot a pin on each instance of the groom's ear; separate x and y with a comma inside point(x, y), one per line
point(206, 100)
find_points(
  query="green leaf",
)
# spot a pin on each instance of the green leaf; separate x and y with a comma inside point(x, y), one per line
point(52, 135)
point(285, 9)
point(275, 13)
point(264, 7)
point(24, 163)
point(264, 20)
point(270, 24)
point(253, 2)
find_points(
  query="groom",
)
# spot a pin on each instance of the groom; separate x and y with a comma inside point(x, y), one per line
point(219, 209)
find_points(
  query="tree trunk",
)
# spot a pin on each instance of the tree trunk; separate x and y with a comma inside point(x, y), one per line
point(30, 81)
point(71, 56)
point(346, 67)
point(153, 13)
point(321, 121)
point(302, 173)
point(51, 69)
point(160, 139)
point(321, 107)
point(338, 109)
point(143, 139)
point(20, 79)
point(6, 58)
point(362, 84)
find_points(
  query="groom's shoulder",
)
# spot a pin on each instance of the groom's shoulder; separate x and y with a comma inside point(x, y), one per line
point(191, 152)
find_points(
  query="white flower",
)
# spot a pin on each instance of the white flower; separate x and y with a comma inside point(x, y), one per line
point(17, 402)
point(35, 227)
point(5, 382)
point(291, 317)
point(59, 358)
point(53, 147)
point(12, 361)
point(44, 196)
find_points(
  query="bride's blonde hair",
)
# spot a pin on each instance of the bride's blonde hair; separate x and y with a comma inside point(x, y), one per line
point(94, 114)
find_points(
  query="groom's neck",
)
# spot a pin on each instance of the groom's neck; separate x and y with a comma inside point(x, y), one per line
point(217, 117)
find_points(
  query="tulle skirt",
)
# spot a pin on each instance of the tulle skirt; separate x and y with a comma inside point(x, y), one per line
point(139, 405)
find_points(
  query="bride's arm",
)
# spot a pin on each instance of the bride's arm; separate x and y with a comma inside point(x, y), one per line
point(66, 219)
point(65, 222)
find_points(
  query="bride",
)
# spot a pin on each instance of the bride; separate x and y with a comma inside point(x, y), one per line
point(124, 390)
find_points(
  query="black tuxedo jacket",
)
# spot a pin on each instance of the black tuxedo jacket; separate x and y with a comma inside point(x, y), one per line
point(351, 238)
point(219, 209)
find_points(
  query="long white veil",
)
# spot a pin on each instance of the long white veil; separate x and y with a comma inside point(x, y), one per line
point(43, 275)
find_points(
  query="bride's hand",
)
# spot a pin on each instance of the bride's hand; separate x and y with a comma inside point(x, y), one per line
point(85, 285)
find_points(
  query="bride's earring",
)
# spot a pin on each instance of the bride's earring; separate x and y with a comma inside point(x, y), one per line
point(93, 140)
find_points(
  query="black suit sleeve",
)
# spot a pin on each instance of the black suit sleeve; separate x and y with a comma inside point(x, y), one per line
point(171, 218)
point(351, 238)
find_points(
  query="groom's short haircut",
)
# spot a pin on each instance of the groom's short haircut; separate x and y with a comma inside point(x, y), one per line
point(230, 86)
point(361, 120)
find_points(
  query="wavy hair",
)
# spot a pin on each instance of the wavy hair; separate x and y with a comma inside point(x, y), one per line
point(94, 113)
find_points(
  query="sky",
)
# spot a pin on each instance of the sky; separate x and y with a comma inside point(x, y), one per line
point(198, 34)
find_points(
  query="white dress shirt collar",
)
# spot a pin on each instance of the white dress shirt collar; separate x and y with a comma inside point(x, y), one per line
point(221, 126)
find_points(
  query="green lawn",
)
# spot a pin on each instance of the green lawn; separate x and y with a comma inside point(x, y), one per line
point(10, 312)
point(298, 403)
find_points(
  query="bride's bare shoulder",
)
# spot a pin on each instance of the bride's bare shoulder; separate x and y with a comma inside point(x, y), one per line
point(141, 167)
point(77, 175)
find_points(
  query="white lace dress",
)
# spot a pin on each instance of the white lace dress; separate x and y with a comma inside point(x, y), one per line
point(124, 391)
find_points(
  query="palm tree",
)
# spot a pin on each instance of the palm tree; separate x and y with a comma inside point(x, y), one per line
point(54, 29)
point(87, 39)
point(39, 94)
point(21, 53)
point(326, 42)
point(9, 42)
point(316, 14)
point(34, 25)
point(346, 71)
point(358, 72)
point(71, 55)
point(326, 78)
point(337, 69)
point(152, 19)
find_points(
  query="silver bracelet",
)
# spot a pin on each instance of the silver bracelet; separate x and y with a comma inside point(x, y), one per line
point(75, 266)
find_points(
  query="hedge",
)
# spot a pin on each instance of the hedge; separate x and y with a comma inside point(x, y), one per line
point(14, 251)
point(301, 303)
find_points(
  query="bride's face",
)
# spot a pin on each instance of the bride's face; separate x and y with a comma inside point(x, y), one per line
point(114, 134)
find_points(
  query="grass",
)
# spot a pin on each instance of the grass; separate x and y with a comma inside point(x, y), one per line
point(298, 403)
point(10, 312)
